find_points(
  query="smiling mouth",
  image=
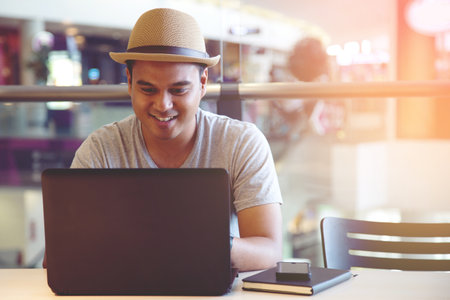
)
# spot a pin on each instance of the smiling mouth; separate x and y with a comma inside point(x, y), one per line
point(166, 119)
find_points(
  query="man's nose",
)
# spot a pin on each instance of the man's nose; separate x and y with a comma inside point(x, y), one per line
point(164, 102)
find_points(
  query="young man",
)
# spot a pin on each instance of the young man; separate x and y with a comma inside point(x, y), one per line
point(167, 75)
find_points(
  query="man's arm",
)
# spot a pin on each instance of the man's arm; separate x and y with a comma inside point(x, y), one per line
point(260, 244)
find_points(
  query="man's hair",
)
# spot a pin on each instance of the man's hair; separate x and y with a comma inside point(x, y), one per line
point(130, 64)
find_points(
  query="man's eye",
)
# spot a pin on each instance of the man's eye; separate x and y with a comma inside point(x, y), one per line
point(149, 90)
point(178, 91)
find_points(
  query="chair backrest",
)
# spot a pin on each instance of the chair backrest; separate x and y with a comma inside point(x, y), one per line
point(350, 243)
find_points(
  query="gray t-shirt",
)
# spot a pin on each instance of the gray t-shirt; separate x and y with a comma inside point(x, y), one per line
point(221, 142)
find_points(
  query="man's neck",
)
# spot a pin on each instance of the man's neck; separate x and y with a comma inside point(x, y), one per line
point(170, 153)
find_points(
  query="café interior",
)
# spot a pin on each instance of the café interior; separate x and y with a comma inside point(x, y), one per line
point(352, 96)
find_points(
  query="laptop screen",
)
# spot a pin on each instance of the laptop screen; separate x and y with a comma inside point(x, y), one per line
point(137, 231)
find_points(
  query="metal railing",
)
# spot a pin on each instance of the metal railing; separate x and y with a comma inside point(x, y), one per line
point(278, 90)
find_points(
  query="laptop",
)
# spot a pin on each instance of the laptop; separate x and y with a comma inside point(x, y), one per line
point(137, 231)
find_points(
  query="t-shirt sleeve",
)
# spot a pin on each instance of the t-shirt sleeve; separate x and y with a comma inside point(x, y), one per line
point(255, 178)
point(90, 154)
point(115, 145)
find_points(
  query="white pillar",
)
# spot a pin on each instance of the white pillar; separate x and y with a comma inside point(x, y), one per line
point(29, 29)
point(34, 115)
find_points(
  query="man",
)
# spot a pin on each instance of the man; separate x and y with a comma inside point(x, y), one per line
point(167, 75)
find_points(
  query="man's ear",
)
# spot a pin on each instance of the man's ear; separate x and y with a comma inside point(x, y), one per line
point(204, 81)
point(129, 80)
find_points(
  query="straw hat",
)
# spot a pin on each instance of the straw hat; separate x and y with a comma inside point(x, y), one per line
point(168, 35)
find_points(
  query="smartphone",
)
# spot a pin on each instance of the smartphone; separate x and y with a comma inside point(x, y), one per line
point(293, 271)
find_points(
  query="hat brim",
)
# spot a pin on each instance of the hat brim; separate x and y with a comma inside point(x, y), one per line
point(122, 57)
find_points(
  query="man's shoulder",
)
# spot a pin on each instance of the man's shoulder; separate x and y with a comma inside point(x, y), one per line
point(214, 120)
point(228, 132)
point(115, 132)
point(124, 124)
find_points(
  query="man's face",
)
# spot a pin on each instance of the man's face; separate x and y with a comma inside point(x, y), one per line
point(165, 98)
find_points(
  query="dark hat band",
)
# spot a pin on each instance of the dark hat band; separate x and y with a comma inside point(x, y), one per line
point(169, 50)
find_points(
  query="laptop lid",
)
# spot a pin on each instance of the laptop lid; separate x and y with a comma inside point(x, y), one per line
point(137, 231)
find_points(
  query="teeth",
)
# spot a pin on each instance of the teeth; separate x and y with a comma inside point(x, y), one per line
point(164, 119)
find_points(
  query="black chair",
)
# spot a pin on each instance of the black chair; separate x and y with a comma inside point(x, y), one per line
point(350, 243)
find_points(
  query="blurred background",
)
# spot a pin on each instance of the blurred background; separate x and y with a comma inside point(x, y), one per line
point(385, 159)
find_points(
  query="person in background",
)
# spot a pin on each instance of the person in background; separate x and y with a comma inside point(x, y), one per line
point(308, 61)
point(167, 72)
